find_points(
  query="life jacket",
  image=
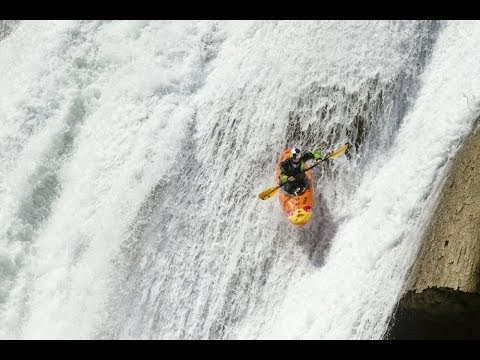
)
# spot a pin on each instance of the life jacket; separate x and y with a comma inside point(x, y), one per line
point(288, 167)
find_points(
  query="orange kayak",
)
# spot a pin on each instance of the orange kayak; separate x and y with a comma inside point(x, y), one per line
point(298, 209)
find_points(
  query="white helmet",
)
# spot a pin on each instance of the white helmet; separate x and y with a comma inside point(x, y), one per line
point(296, 152)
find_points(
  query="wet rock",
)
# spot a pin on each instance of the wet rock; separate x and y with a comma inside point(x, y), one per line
point(442, 293)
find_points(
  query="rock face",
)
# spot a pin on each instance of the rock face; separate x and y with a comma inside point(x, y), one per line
point(442, 293)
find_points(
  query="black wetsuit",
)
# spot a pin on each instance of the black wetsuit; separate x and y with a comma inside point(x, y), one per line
point(288, 168)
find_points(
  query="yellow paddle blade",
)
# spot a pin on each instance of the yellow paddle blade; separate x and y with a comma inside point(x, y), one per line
point(338, 152)
point(267, 194)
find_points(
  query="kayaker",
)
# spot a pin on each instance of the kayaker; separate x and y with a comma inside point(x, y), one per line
point(294, 165)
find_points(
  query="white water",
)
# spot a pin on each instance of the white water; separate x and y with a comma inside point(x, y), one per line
point(131, 155)
point(374, 247)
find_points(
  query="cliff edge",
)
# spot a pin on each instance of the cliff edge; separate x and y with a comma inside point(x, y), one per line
point(442, 292)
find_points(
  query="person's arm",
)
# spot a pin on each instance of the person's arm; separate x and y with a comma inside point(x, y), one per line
point(315, 155)
point(283, 175)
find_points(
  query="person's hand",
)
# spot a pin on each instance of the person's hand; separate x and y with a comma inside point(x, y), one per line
point(316, 154)
point(291, 178)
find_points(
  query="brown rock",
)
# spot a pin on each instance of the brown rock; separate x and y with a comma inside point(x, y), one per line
point(442, 292)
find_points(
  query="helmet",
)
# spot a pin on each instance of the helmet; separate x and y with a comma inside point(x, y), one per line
point(296, 152)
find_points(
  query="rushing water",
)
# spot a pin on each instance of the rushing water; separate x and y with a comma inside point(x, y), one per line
point(132, 154)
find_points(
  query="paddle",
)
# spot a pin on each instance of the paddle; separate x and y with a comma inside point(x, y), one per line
point(267, 194)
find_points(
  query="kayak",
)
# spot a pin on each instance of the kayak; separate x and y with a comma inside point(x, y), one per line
point(298, 209)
